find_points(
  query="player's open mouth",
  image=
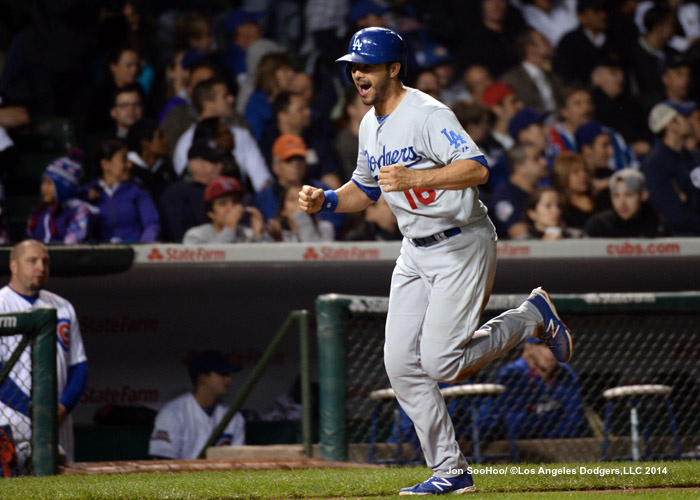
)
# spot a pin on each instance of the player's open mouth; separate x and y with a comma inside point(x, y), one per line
point(364, 89)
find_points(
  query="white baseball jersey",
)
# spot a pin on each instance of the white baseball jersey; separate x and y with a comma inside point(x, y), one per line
point(182, 428)
point(69, 352)
point(421, 133)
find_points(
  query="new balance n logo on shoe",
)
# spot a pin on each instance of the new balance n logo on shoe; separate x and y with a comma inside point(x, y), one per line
point(560, 345)
point(439, 482)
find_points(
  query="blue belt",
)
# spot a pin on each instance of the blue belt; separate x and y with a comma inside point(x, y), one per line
point(429, 241)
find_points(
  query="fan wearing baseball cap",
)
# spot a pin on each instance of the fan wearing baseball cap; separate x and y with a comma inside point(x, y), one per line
point(291, 171)
point(223, 205)
point(504, 104)
point(182, 203)
point(672, 173)
point(596, 147)
point(631, 216)
point(539, 391)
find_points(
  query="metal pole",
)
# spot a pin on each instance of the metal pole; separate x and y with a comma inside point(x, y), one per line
point(634, 423)
point(249, 383)
point(44, 396)
point(306, 396)
point(331, 367)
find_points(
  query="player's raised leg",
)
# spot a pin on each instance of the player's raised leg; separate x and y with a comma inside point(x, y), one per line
point(449, 350)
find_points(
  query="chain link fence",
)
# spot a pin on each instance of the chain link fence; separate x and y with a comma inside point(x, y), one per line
point(15, 407)
point(646, 345)
point(28, 398)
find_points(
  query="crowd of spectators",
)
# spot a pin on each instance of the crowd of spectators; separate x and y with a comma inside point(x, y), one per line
point(200, 124)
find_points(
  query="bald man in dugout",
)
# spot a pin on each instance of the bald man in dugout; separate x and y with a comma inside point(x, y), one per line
point(29, 268)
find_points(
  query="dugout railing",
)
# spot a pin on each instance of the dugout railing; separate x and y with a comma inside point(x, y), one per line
point(301, 318)
point(34, 330)
point(619, 340)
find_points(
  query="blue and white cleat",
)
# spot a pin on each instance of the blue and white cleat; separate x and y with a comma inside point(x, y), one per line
point(555, 335)
point(460, 485)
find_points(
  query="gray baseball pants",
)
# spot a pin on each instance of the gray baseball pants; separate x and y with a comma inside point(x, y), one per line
point(437, 297)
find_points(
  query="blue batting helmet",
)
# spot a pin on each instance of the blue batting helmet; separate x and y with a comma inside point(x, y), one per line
point(375, 45)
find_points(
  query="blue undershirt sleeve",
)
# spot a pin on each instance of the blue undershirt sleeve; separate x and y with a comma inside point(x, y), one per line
point(12, 396)
point(373, 193)
point(481, 159)
point(77, 377)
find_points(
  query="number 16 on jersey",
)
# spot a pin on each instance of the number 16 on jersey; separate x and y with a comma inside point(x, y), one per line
point(423, 196)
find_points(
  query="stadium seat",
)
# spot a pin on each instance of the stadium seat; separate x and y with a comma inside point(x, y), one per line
point(633, 393)
point(479, 390)
point(449, 392)
point(382, 396)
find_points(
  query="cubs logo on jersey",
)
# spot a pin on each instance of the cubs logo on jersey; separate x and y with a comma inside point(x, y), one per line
point(225, 440)
point(160, 435)
point(63, 333)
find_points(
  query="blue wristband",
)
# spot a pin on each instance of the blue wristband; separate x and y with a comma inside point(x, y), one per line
point(331, 201)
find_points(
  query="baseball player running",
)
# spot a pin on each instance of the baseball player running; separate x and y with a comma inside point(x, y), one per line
point(413, 151)
point(29, 267)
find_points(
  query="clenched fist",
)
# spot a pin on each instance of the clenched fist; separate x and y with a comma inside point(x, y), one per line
point(311, 199)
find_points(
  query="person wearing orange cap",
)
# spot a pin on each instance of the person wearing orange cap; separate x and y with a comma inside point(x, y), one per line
point(291, 170)
point(223, 204)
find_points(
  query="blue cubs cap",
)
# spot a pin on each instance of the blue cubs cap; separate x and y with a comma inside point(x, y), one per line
point(684, 108)
point(587, 133)
point(363, 8)
point(533, 340)
point(240, 16)
point(65, 174)
point(662, 114)
point(210, 361)
point(523, 119)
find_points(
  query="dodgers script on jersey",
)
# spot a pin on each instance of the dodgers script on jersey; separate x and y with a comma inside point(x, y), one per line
point(182, 428)
point(70, 351)
point(421, 133)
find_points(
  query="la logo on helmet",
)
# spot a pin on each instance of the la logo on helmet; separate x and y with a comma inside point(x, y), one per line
point(357, 44)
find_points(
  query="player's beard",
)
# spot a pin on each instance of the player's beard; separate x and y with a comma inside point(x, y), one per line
point(37, 283)
point(378, 91)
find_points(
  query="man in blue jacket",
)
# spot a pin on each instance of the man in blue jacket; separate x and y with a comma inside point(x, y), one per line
point(672, 172)
point(542, 399)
